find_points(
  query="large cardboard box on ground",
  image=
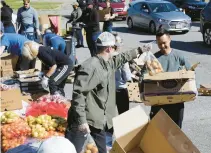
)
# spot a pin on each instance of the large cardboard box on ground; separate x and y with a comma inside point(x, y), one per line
point(170, 87)
point(8, 63)
point(136, 134)
point(7, 60)
point(44, 23)
point(11, 100)
point(102, 13)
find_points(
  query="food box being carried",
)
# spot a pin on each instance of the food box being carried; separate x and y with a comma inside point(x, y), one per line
point(170, 87)
point(140, 135)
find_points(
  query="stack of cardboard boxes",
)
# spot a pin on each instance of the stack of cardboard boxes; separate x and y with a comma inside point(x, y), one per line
point(30, 81)
point(6, 67)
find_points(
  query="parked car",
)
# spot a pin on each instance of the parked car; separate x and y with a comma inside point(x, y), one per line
point(151, 14)
point(205, 20)
point(191, 7)
point(119, 6)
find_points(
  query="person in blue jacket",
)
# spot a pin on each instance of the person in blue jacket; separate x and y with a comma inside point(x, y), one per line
point(13, 43)
point(53, 40)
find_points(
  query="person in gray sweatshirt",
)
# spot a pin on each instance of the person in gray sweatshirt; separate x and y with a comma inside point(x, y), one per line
point(27, 21)
point(122, 76)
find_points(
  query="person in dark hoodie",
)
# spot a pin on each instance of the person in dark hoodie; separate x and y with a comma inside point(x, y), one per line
point(90, 18)
point(6, 18)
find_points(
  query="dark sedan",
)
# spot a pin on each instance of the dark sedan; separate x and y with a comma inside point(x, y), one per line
point(191, 7)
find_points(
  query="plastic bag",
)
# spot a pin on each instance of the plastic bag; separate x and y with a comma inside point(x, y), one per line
point(5, 87)
point(49, 108)
point(53, 98)
point(89, 145)
point(83, 142)
point(152, 64)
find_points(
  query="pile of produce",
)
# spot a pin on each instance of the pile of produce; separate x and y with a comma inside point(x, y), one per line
point(154, 66)
point(91, 148)
point(14, 131)
point(45, 126)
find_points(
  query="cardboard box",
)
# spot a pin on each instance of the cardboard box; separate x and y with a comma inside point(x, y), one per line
point(27, 98)
point(103, 13)
point(134, 92)
point(44, 23)
point(8, 60)
point(11, 100)
point(27, 73)
point(170, 87)
point(6, 73)
point(136, 134)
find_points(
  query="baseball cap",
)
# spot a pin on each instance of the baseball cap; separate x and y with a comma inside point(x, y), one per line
point(106, 39)
point(75, 4)
point(2, 27)
point(56, 144)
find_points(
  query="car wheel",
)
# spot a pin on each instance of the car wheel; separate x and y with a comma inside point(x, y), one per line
point(152, 27)
point(207, 36)
point(130, 23)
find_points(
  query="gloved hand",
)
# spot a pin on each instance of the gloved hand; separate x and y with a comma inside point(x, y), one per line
point(44, 82)
point(38, 32)
point(84, 128)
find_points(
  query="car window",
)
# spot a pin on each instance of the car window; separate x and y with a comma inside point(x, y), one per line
point(163, 7)
point(144, 7)
point(137, 6)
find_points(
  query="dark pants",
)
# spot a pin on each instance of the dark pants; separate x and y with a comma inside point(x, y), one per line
point(25, 64)
point(9, 29)
point(79, 37)
point(91, 42)
point(58, 44)
point(122, 100)
point(58, 79)
point(78, 139)
point(175, 111)
point(107, 27)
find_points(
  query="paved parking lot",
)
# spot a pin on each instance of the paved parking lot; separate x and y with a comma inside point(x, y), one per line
point(197, 121)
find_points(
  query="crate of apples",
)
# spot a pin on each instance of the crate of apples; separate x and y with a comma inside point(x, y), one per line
point(91, 148)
